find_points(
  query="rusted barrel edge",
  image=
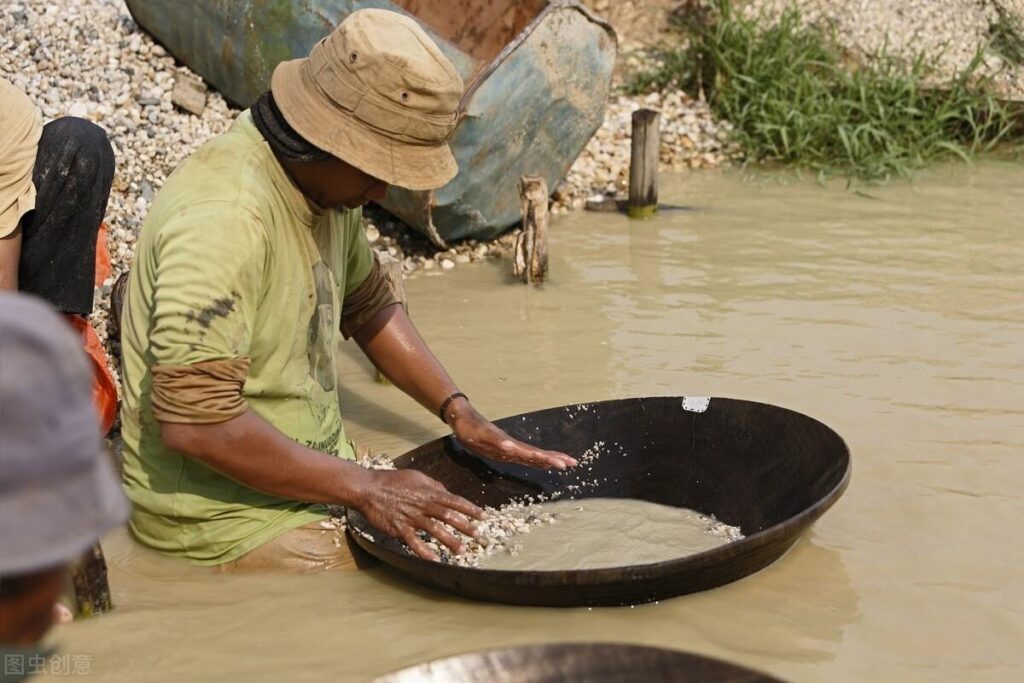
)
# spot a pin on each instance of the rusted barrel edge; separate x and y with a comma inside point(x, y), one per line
point(524, 35)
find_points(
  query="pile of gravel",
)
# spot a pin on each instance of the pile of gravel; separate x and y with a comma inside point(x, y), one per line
point(950, 32)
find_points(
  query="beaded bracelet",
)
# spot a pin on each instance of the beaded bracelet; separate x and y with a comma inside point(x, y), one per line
point(447, 402)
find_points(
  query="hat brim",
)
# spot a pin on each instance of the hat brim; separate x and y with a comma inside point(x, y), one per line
point(43, 526)
point(324, 124)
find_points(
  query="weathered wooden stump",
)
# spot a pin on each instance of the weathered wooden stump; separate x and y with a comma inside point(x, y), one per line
point(643, 164)
point(531, 253)
point(391, 269)
point(89, 578)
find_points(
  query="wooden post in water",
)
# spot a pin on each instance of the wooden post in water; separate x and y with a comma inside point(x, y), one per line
point(643, 164)
point(391, 269)
point(531, 253)
point(89, 578)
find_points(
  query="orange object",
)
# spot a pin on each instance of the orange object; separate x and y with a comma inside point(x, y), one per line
point(104, 390)
point(103, 267)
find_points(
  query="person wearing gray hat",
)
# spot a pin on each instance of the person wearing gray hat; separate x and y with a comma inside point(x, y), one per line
point(58, 491)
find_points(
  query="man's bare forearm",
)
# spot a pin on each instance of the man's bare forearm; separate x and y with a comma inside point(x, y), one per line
point(251, 451)
point(391, 341)
point(400, 503)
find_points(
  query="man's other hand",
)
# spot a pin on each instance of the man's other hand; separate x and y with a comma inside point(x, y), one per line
point(481, 436)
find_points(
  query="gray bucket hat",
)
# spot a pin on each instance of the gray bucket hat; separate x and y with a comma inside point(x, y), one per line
point(58, 491)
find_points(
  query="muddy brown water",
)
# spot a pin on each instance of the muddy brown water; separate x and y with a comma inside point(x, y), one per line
point(897, 320)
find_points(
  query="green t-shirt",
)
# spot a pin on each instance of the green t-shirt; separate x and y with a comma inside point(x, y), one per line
point(233, 261)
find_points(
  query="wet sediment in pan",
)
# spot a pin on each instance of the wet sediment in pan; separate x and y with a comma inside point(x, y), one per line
point(573, 534)
point(602, 533)
point(766, 470)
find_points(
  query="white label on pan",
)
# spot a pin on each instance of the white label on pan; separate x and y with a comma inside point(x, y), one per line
point(696, 404)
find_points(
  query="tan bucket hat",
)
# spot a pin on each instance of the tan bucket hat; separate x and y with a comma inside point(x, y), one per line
point(376, 93)
point(20, 130)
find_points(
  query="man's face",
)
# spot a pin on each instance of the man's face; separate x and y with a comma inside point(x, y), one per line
point(340, 185)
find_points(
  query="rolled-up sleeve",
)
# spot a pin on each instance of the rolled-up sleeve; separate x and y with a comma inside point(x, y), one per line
point(207, 392)
point(369, 298)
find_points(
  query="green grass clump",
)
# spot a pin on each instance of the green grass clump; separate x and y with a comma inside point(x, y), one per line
point(792, 98)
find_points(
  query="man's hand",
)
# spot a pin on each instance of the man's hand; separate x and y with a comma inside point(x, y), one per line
point(402, 502)
point(481, 436)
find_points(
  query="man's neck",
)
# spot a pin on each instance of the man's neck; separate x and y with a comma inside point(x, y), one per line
point(296, 171)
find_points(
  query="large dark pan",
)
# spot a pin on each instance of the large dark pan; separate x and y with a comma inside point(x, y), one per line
point(769, 470)
point(590, 662)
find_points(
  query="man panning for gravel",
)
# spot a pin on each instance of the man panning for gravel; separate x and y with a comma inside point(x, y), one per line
point(251, 265)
